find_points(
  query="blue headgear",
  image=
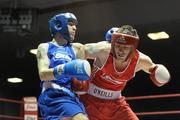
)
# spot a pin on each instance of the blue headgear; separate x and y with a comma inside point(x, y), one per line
point(59, 23)
point(109, 33)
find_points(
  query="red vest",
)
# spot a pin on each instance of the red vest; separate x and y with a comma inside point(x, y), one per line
point(108, 78)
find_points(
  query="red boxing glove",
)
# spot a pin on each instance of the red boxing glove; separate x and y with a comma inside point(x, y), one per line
point(159, 75)
point(80, 87)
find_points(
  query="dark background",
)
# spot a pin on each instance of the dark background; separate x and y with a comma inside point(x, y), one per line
point(95, 17)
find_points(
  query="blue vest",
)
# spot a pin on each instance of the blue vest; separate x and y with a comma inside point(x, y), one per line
point(60, 55)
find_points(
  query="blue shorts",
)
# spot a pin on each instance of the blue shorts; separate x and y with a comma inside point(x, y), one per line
point(55, 104)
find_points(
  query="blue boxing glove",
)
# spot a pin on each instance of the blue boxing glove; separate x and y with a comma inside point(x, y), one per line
point(79, 69)
point(109, 33)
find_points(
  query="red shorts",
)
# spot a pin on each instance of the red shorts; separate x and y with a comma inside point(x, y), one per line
point(99, 109)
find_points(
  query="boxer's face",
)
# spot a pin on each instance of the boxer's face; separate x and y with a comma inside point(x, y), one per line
point(72, 29)
point(122, 51)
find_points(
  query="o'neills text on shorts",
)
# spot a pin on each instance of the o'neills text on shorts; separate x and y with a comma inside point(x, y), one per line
point(103, 93)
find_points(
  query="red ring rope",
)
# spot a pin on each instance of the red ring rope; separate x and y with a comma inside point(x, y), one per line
point(127, 98)
point(11, 117)
point(153, 96)
point(159, 112)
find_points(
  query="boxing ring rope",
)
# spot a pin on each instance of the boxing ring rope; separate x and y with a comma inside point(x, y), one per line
point(27, 103)
point(10, 100)
point(159, 112)
point(127, 98)
point(153, 96)
point(12, 117)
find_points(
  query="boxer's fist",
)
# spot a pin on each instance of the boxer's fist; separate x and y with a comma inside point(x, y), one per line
point(159, 75)
point(78, 68)
point(80, 87)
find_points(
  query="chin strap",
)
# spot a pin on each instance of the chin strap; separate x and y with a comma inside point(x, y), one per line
point(159, 75)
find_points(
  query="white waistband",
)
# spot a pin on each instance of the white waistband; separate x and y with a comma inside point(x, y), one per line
point(47, 85)
point(103, 93)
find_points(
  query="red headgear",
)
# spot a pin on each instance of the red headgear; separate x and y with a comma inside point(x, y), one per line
point(124, 39)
